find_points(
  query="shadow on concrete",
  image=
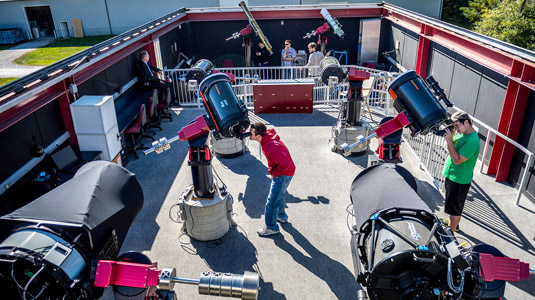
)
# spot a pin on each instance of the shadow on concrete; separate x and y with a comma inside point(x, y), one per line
point(314, 200)
point(360, 159)
point(320, 117)
point(430, 195)
point(156, 182)
point(232, 253)
point(525, 285)
point(257, 185)
point(483, 212)
point(339, 279)
point(526, 209)
point(267, 292)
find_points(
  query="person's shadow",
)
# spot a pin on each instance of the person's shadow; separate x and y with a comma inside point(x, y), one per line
point(339, 279)
point(258, 182)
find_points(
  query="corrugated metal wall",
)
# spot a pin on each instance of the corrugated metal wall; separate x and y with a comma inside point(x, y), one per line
point(92, 14)
point(474, 88)
point(124, 15)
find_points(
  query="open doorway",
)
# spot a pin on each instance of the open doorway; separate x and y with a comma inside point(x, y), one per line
point(65, 30)
point(40, 20)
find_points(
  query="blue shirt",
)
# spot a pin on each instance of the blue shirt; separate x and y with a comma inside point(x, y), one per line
point(290, 53)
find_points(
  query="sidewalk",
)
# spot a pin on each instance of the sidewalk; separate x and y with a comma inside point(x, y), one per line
point(10, 69)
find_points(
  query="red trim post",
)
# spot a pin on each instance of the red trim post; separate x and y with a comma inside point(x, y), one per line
point(65, 109)
point(422, 57)
point(516, 99)
point(503, 125)
point(149, 47)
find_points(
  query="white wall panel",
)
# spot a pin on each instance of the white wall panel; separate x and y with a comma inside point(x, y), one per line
point(92, 14)
point(125, 15)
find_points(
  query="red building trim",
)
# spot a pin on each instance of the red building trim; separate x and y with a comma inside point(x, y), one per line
point(30, 105)
point(422, 57)
point(285, 14)
point(510, 121)
point(65, 109)
point(519, 71)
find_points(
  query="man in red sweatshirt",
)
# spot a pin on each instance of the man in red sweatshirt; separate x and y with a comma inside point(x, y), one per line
point(282, 168)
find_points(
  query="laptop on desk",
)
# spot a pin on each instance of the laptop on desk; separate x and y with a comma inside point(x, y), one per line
point(66, 160)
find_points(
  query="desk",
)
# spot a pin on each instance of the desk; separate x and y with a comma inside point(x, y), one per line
point(128, 104)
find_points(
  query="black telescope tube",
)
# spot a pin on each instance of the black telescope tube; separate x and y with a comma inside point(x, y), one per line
point(227, 113)
point(409, 90)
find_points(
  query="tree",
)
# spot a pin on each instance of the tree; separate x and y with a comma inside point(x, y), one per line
point(512, 21)
point(476, 8)
point(450, 12)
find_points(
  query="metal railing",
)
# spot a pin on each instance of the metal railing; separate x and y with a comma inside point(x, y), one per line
point(430, 150)
point(243, 89)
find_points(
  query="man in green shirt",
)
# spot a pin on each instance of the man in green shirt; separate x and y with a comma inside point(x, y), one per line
point(463, 151)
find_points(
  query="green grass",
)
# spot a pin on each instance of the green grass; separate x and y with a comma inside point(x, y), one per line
point(59, 50)
point(7, 80)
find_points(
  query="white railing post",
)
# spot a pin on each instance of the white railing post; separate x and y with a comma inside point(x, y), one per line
point(487, 143)
point(523, 182)
point(430, 150)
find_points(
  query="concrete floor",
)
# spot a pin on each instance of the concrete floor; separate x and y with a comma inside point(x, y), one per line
point(311, 258)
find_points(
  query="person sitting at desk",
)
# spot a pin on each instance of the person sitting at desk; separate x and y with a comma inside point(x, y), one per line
point(146, 75)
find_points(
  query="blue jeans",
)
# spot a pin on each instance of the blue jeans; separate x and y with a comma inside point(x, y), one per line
point(275, 204)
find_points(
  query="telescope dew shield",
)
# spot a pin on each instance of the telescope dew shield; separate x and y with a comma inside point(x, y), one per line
point(335, 25)
point(330, 66)
point(59, 233)
point(228, 114)
point(411, 94)
point(200, 70)
point(255, 26)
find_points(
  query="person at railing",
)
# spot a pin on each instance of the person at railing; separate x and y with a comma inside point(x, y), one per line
point(314, 60)
point(463, 149)
point(263, 59)
point(288, 55)
point(146, 74)
point(282, 169)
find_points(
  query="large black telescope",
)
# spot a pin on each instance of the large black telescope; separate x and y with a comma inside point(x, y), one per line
point(400, 250)
point(48, 245)
point(65, 245)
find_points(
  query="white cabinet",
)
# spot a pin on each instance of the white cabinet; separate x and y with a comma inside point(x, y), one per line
point(95, 124)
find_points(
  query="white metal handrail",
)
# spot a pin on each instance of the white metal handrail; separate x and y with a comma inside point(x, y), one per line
point(430, 150)
point(244, 90)
point(490, 131)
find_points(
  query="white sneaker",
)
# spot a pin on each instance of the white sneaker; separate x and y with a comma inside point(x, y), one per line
point(266, 232)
